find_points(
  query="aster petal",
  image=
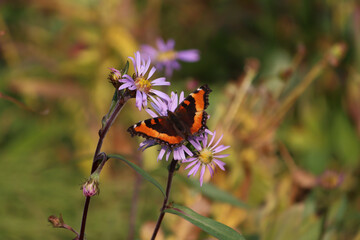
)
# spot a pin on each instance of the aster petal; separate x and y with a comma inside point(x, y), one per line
point(191, 55)
point(151, 113)
point(217, 142)
point(161, 44)
point(173, 102)
point(211, 170)
point(170, 44)
point(146, 66)
point(168, 70)
point(195, 144)
point(220, 164)
point(132, 87)
point(187, 150)
point(138, 100)
point(160, 82)
point(125, 85)
point(212, 139)
point(202, 175)
point(189, 159)
point(156, 105)
point(144, 99)
point(209, 132)
point(176, 155)
point(160, 94)
point(198, 165)
point(149, 51)
point(220, 148)
point(182, 154)
point(222, 156)
point(190, 165)
point(146, 144)
point(160, 106)
point(204, 140)
point(134, 64)
point(161, 154)
point(127, 78)
point(194, 170)
point(174, 65)
point(159, 66)
point(181, 97)
point(138, 62)
point(167, 155)
point(152, 70)
point(174, 99)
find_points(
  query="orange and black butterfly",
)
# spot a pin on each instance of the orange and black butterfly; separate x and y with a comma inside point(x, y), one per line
point(188, 119)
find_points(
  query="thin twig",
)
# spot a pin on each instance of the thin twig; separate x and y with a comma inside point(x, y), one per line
point(22, 105)
point(166, 198)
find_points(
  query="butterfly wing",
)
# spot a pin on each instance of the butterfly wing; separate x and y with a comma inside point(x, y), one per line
point(191, 110)
point(159, 129)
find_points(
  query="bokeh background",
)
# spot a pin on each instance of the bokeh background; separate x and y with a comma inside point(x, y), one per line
point(286, 95)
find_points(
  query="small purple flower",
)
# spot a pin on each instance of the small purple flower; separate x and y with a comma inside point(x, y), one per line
point(207, 156)
point(161, 107)
point(166, 57)
point(141, 83)
point(330, 179)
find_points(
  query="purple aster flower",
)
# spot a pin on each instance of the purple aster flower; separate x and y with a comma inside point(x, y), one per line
point(330, 179)
point(140, 81)
point(161, 107)
point(166, 57)
point(207, 156)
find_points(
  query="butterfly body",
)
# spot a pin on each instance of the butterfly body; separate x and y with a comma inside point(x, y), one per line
point(188, 119)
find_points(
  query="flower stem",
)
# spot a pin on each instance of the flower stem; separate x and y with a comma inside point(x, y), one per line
point(166, 198)
point(102, 133)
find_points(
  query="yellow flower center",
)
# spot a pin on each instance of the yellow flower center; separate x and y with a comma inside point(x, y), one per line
point(166, 56)
point(142, 84)
point(206, 156)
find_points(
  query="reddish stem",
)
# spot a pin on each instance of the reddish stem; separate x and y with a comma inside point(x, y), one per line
point(166, 198)
point(102, 133)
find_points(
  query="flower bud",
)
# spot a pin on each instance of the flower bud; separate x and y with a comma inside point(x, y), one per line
point(91, 187)
point(114, 77)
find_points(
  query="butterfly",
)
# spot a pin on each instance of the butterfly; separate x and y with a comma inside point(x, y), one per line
point(188, 119)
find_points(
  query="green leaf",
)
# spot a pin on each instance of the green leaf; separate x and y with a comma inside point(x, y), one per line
point(210, 226)
point(140, 171)
point(126, 68)
point(113, 102)
point(215, 193)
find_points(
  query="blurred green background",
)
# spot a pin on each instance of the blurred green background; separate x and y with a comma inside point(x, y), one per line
point(54, 59)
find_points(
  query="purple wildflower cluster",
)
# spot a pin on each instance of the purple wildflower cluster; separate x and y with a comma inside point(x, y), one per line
point(205, 156)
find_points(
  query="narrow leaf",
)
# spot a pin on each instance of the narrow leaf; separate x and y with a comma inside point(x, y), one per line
point(215, 193)
point(113, 101)
point(210, 226)
point(139, 170)
point(126, 68)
